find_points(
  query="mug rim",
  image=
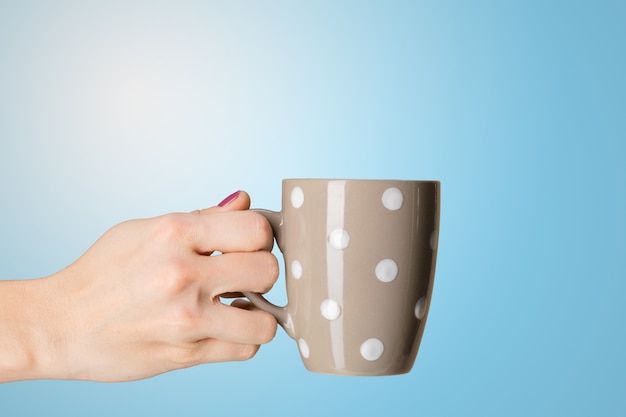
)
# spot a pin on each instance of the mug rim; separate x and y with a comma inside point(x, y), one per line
point(308, 179)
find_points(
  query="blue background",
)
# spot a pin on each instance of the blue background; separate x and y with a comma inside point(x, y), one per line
point(116, 110)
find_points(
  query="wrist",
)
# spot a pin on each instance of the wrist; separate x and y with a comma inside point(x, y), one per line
point(30, 336)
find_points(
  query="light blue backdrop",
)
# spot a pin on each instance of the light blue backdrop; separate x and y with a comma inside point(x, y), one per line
point(116, 110)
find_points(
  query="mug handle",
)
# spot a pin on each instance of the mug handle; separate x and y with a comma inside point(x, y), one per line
point(280, 313)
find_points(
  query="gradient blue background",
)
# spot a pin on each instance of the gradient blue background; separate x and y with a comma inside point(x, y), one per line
point(115, 110)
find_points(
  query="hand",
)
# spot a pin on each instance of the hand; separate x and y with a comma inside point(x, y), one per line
point(146, 298)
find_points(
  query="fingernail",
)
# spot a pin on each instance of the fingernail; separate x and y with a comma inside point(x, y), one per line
point(229, 199)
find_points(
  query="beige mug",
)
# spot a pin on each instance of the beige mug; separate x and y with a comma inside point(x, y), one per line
point(359, 268)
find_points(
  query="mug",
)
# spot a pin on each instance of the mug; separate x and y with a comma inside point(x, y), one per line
point(359, 269)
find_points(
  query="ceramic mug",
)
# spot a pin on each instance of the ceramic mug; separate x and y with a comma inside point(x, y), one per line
point(359, 269)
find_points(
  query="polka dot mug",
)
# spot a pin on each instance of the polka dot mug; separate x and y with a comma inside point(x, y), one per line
point(359, 266)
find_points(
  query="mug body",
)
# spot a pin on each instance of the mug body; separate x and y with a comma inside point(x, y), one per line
point(359, 266)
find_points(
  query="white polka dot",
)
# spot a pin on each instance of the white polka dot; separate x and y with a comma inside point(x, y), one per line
point(339, 239)
point(420, 308)
point(386, 270)
point(297, 197)
point(330, 309)
point(392, 199)
point(372, 349)
point(304, 348)
point(296, 269)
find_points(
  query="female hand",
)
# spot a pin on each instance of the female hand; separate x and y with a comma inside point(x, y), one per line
point(144, 299)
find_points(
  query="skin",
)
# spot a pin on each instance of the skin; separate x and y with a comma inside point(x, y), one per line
point(145, 299)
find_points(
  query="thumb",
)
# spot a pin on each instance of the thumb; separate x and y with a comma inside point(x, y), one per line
point(239, 200)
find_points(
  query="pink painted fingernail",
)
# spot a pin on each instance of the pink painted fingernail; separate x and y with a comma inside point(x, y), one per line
point(229, 199)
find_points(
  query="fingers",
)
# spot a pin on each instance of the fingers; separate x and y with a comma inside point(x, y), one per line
point(238, 325)
point(229, 227)
point(216, 350)
point(231, 231)
point(245, 240)
point(239, 200)
point(227, 333)
point(208, 351)
point(237, 272)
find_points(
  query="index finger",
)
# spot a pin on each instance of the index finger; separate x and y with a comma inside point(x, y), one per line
point(231, 231)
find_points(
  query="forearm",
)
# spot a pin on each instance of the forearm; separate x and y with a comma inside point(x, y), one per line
point(29, 343)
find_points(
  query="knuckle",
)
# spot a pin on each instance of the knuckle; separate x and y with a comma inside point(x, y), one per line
point(175, 277)
point(171, 227)
point(183, 356)
point(262, 229)
point(179, 324)
point(267, 327)
point(185, 318)
point(272, 269)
